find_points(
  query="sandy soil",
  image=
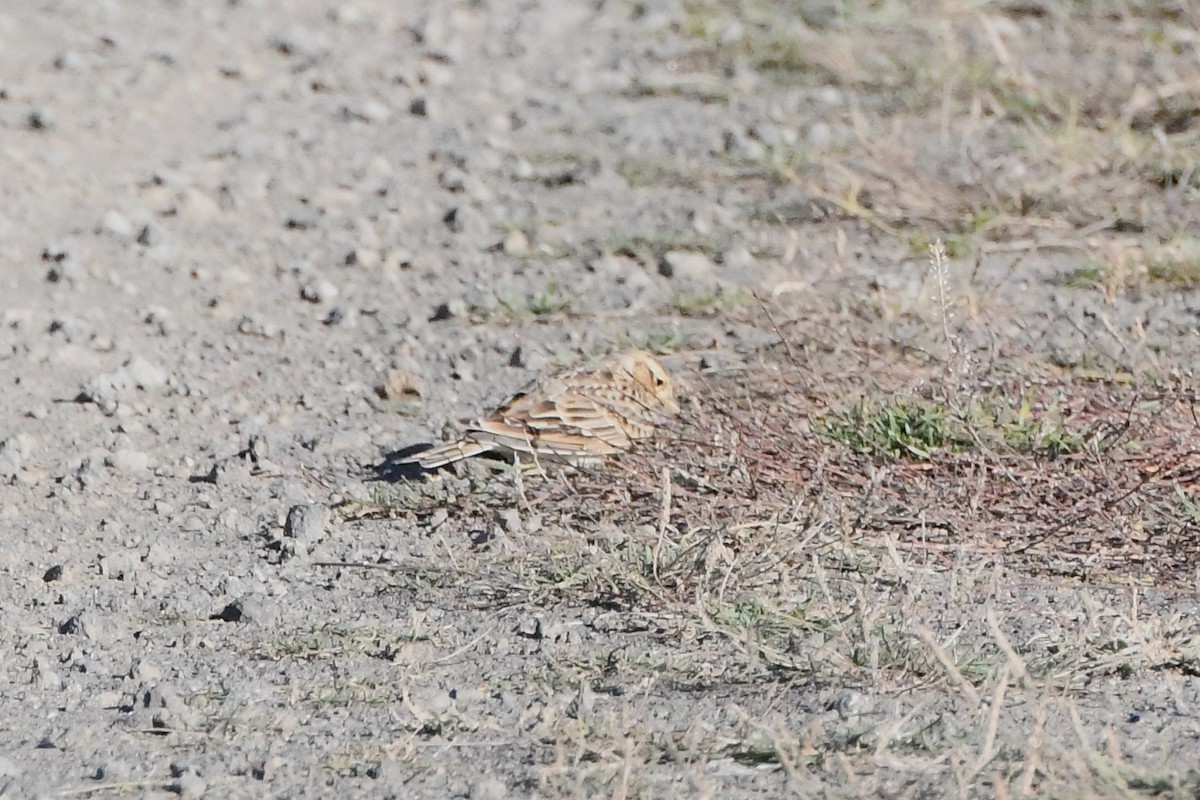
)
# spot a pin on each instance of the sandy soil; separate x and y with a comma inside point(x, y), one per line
point(250, 251)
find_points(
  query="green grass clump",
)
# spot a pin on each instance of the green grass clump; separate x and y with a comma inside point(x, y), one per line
point(641, 172)
point(662, 342)
point(709, 300)
point(544, 303)
point(916, 429)
point(1183, 273)
point(894, 429)
point(965, 238)
point(1081, 278)
point(1163, 273)
point(1045, 433)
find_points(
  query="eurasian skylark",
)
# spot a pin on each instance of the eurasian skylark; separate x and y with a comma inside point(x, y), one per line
point(576, 416)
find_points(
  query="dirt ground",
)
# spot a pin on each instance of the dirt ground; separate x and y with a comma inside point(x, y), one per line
point(926, 528)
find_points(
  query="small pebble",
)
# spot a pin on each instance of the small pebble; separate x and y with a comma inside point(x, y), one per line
point(168, 710)
point(40, 120)
point(516, 243)
point(307, 522)
point(150, 235)
point(449, 310)
point(115, 771)
point(489, 789)
point(401, 384)
point(319, 291)
point(13, 452)
point(127, 460)
point(510, 520)
point(145, 374)
point(373, 111)
point(687, 265)
point(363, 257)
point(71, 61)
point(191, 784)
point(117, 224)
point(145, 671)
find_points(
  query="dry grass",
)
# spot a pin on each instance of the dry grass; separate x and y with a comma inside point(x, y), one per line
point(942, 615)
point(995, 117)
point(910, 581)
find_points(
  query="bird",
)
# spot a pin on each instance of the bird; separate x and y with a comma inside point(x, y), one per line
point(576, 417)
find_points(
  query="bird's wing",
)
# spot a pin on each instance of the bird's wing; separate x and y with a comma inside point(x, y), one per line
point(568, 422)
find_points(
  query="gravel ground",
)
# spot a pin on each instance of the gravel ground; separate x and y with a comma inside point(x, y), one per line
point(250, 250)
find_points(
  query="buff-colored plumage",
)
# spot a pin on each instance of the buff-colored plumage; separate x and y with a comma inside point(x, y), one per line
point(574, 417)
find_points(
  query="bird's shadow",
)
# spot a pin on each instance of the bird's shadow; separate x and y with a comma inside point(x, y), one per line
point(395, 467)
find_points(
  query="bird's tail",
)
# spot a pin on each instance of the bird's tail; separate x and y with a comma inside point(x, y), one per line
point(448, 453)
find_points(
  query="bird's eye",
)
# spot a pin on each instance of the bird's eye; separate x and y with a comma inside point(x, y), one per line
point(659, 381)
